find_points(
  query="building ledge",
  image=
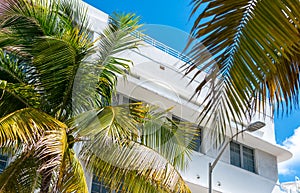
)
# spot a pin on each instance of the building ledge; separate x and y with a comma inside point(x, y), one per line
point(281, 153)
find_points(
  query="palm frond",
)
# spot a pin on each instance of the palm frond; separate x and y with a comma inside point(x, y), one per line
point(21, 175)
point(53, 154)
point(50, 149)
point(37, 162)
point(72, 177)
point(16, 91)
point(12, 68)
point(56, 61)
point(132, 166)
point(172, 140)
point(248, 57)
point(106, 85)
point(22, 92)
point(115, 39)
point(111, 148)
point(96, 82)
point(75, 16)
point(26, 126)
point(116, 121)
point(55, 44)
point(28, 19)
point(66, 51)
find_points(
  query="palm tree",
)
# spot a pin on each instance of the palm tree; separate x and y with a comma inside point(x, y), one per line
point(248, 56)
point(56, 89)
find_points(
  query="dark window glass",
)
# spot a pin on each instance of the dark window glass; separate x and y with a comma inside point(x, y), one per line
point(98, 187)
point(127, 100)
point(248, 159)
point(235, 157)
point(242, 157)
point(197, 140)
point(3, 162)
point(176, 119)
point(132, 100)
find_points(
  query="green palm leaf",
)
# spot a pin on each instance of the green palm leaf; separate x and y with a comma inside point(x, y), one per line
point(21, 175)
point(115, 39)
point(60, 50)
point(26, 126)
point(72, 177)
point(35, 165)
point(117, 121)
point(55, 43)
point(16, 92)
point(172, 140)
point(131, 165)
point(110, 148)
point(250, 54)
point(22, 92)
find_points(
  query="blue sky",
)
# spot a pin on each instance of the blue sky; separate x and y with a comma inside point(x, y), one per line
point(168, 20)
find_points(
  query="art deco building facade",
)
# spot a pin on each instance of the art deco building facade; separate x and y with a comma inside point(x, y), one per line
point(248, 165)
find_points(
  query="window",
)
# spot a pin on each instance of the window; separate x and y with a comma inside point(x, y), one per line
point(196, 139)
point(98, 187)
point(3, 162)
point(115, 99)
point(235, 156)
point(242, 156)
point(248, 159)
point(127, 100)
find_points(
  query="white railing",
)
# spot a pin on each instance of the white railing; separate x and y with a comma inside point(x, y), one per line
point(161, 46)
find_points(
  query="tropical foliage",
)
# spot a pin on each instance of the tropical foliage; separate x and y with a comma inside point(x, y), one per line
point(57, 83)
point(249, 57)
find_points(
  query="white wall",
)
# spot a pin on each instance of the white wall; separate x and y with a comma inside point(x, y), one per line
point(266, 165)
point(231, 179)
point(161, 73)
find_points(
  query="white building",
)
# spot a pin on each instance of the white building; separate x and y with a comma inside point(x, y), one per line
point(248, 165)
point(291, 187)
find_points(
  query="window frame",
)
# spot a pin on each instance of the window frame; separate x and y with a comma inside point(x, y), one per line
point(241, 156)
point(4, 158)
point(103, 188)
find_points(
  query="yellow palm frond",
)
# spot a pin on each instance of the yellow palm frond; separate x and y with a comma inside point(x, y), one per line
point(26, 126)
point(72, 177)
point(21, 175)
point(132, 166)
point(111, 148)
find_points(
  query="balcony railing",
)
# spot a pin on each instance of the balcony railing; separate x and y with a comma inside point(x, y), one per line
point(162, 46)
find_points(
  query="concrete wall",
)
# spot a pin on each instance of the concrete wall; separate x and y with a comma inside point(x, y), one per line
point(226, 178)
point(266, 165)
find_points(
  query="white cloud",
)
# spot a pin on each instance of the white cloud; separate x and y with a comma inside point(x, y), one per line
point(292, 144)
